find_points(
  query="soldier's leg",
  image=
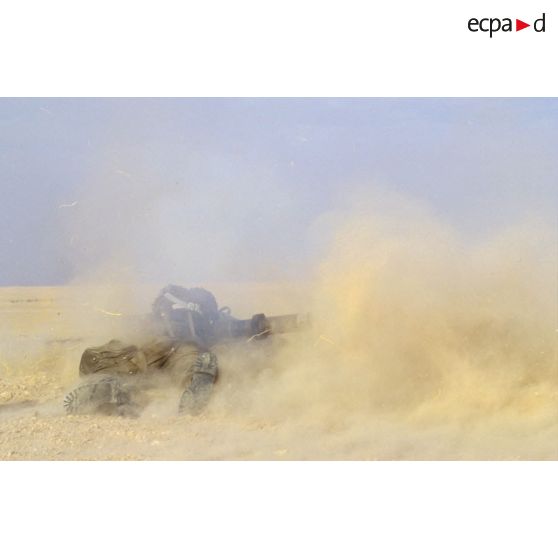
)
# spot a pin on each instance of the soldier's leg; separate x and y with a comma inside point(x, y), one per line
point(197, 371)
point(110, 373)
point(103, 394)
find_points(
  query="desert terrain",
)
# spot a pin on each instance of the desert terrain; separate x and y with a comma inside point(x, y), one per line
point(319, 398)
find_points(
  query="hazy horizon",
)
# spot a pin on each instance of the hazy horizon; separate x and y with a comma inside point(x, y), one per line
point(239, 189)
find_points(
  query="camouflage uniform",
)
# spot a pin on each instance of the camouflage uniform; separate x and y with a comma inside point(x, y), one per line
point(116, 373)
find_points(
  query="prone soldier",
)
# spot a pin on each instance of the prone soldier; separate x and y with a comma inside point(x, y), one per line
point(187, 323)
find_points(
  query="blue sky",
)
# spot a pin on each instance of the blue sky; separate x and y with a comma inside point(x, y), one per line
point(245, 179)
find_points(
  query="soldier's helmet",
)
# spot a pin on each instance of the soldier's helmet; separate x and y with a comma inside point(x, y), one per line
point(187, 314)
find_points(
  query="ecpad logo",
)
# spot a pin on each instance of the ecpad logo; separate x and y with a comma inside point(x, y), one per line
point(493, 25)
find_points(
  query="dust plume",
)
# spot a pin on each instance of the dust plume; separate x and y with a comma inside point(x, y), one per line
point(433, 299)
point(426, 344)
point(449, 342)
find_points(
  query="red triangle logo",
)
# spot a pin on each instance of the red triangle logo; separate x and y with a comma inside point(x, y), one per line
point(519, 25)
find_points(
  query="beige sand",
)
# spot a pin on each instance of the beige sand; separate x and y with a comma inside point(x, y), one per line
point(424, 346)
point(375, 379)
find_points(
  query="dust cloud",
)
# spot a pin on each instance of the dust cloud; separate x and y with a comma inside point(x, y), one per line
point(426, 344)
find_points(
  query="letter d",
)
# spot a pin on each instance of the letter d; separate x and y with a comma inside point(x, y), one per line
point(542, 22)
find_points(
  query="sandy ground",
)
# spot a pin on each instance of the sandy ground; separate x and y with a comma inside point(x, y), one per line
point(44, 330)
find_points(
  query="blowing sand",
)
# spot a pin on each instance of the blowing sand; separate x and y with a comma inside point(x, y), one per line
point(421, 348)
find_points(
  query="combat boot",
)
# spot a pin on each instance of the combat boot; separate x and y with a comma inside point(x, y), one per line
point(106, 395)
point(197, 394)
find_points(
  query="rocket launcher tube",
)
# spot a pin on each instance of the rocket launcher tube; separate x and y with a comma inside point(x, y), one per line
point(260, 326)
